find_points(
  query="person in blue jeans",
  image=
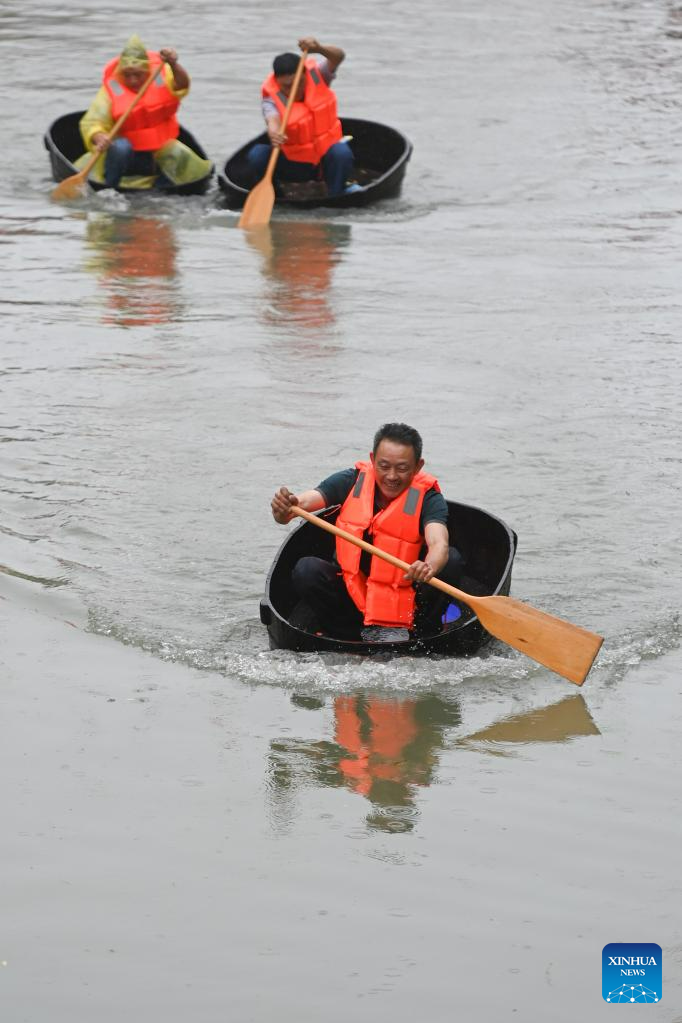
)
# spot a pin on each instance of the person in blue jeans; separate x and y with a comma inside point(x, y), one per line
point(312, 148)
point(148, 147)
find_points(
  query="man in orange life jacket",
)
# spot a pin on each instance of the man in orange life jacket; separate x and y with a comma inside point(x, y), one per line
point(391, 503)
point(151, 127)
point(312, 146)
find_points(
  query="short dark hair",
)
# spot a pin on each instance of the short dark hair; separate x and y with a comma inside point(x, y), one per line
point(285, 64)
point(400, 433)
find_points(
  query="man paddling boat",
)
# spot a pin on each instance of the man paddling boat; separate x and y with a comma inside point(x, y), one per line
point(390, 502)
point(312, 147)
point(147, 150)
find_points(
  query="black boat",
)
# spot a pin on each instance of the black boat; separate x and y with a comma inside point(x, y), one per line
point(381, 155)
point(64, 145)
point(487, 544)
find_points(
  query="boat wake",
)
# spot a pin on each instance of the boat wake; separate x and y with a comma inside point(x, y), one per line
point(238, 648)
point(241, 653)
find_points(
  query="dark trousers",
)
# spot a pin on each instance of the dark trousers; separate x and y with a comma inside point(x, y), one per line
point(320, 584)
point(337, 166)
point(123, 161)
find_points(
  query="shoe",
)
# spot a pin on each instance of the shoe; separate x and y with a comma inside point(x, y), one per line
point(304, 618)
point(384, 634)
point(451, 614)
point(353, 187)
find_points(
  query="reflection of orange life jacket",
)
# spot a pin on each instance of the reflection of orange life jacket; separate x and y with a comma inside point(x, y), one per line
point(392, 728)
point(153, 121)
point(313, 125)
point(385, 596)
point(301, 264)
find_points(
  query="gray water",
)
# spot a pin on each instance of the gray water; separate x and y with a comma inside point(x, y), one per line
point(161, 375)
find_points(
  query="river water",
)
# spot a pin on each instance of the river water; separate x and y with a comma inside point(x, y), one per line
point(161, 375)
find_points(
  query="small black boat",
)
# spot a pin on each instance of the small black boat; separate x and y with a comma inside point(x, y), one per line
point(487, 544)
point(64, 145)
point(381, 155)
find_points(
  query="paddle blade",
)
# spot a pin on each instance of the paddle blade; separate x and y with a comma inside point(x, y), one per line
point(258, 206)
point(69, 188)
point(562, 647)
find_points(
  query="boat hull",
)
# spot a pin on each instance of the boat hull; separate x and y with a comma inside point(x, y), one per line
point(381, 157)
point(487, 544)
point(64, 145)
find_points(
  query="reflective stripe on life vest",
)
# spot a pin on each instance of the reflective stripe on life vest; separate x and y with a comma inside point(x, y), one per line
point(313, 124)
point(384, 596)
point(153, 122)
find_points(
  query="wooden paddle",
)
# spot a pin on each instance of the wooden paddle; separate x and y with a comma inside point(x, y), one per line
point(70, 188)
point(260, 200)
point(564, 648)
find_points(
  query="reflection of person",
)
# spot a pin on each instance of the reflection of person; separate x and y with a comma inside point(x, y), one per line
point(312, 147)
point(147, 148)
point(382, 749)
point(299, 258)
point(135, 260)
point(397, 507)
point(375, 734)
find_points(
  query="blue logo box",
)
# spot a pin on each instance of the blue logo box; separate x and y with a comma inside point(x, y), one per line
point(631, 972)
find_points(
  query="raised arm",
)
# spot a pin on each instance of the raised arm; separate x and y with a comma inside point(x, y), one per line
point(334, 54)
point(180, 76)
point(309, 500)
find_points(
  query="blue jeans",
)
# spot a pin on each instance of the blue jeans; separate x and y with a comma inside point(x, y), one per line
point(337, 166)
point(124, 161)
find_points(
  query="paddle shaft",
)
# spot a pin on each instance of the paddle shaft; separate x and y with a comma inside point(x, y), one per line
point(260, 200)
point(567, 649)
point(270, 169)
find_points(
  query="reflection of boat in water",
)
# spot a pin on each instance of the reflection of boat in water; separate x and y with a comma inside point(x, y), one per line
point(299, 258)
point(135, 261)
point(381, 155)
point(384, 749)
point(487, 544)
point(64, 144)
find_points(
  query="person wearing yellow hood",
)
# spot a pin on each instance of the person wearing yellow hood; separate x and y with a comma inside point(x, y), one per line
point(147, 152)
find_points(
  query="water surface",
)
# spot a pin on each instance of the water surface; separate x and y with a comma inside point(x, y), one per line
point(162, 373)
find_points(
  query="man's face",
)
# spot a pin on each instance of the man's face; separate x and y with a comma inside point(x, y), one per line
point(395, 466)
point(285, 82)
point(134, 77)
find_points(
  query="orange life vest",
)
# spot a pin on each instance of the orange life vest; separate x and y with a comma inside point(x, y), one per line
point(384, 596)
point(313, 124)
point(153, 121)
